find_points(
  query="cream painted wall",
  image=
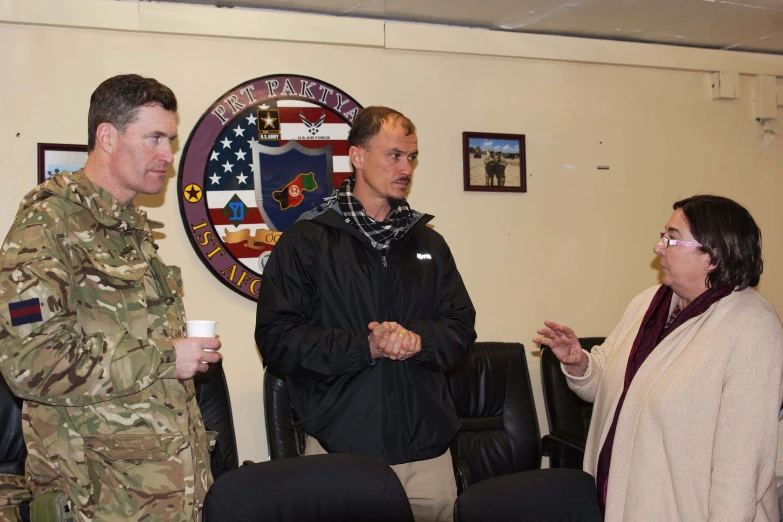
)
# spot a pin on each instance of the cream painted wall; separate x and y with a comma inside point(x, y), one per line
point(575, 248)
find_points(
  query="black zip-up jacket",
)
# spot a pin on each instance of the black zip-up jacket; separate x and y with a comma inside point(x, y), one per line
point(323, 284)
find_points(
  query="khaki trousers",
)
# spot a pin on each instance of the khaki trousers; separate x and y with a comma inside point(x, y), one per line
point(429, 484)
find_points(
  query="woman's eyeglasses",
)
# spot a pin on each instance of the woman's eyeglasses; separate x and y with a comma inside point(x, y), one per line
point(666, 241)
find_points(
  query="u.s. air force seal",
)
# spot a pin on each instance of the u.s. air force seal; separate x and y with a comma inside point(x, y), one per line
point(265, 152)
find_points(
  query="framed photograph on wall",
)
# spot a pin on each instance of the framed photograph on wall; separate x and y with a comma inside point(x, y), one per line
point(494, 162)
point(54, 158)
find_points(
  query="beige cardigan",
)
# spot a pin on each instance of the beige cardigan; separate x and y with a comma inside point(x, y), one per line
point(697, 435)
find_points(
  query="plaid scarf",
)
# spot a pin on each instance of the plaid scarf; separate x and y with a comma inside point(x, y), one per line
point(381, 234)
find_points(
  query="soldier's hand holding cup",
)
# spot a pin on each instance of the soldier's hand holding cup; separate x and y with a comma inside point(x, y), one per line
point(197, 350)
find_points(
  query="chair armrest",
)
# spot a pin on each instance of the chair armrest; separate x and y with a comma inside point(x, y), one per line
point(562, 439)
point(462, 473)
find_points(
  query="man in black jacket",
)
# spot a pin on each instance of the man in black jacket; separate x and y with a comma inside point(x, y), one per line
point(362, 308)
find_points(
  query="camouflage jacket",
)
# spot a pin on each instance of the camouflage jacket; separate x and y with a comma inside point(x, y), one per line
point(86, 311)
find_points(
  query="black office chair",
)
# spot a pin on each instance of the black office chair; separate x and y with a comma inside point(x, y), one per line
point(215, 405)
point(494, 399)
point(284, 434)
point(13, 454)
point(568, 415)
point(544, 495)
point(321, 488)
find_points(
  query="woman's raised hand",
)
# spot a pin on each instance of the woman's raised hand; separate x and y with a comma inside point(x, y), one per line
point(565, 345)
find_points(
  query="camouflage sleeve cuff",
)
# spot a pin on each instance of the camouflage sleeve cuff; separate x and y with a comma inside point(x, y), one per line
point(13, 491)
point(168, 358)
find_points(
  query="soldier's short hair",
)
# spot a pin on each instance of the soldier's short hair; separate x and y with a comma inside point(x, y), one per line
point(117, 101)
point(370, 121)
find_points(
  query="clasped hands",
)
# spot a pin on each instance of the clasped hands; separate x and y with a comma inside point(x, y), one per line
point(393, 341)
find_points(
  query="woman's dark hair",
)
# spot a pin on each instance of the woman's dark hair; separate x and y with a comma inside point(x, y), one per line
point(117, 101)
point(729, 235)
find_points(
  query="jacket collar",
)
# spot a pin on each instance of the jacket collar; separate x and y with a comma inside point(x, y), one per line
point(332, 217)
point(330, 205)
point(76, 188)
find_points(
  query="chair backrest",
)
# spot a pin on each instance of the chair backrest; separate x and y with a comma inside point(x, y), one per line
point(328, 488)
point(493, 398)
point(543, 495)
point(568, 415)
point(215, 405)
point(12, 448)
point(284, 435)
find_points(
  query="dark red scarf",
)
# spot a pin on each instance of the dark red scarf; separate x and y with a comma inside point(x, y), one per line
point(651, 332)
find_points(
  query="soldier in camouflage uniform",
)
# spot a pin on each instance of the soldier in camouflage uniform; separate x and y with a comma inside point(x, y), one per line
point(500, 168)
point(489, 169)
point(495, 167)
point(92, 326)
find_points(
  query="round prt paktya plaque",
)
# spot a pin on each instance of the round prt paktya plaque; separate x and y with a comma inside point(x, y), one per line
point(264, 153)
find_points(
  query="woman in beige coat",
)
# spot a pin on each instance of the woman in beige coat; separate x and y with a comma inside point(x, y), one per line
point(688, 386)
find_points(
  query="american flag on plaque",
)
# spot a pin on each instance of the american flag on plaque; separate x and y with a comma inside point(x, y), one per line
point(264, 153)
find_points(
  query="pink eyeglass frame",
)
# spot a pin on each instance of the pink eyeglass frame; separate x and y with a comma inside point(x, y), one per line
point(667, 241)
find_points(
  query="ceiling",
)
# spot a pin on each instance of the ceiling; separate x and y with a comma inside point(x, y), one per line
point(741, 25)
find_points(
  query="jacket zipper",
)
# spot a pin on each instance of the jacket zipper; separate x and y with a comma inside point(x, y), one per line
point(384, 291)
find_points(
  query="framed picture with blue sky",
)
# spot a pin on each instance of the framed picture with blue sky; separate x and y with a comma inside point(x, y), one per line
point(494, 162)
point(54, 158)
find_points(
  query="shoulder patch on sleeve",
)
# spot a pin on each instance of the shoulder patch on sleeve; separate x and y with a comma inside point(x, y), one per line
point(25, 312)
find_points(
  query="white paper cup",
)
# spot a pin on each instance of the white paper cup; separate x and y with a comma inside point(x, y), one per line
point(201, 328)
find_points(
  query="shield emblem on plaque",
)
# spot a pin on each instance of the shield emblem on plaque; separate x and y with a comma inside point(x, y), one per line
point(290, 180)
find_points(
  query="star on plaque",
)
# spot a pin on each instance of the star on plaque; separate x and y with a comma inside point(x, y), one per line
point(269, 121)
point(193, 193)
